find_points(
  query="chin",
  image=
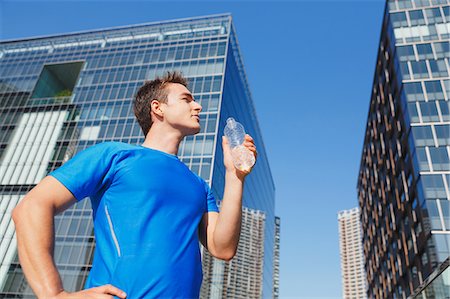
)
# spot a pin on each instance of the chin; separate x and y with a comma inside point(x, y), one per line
point(193, 131)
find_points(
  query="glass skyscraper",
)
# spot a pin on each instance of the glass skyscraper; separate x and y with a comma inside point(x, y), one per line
point(61, 94)
point(404, 177)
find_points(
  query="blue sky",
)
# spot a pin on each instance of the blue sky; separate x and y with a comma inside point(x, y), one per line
point(310, 67)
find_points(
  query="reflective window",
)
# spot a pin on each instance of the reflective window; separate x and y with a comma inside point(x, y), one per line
point(446, 10)
point(433, 15)
point(434, 90)
point(438, 68)
point(423, 135)
point(422, 159)
point(416, 17)
point(419, 69)
point(433, 214)
point(445, 110)
point(399, 20)
point(433, 186)
point(442, 49)
point(439, 158)
point(405, 70)
point(447, 87)
point(413, 113)
point(406, 53)
point(414, 91)
point(404, 4)
point(443, 135)
point(445, 207)
point(424, 51)
point(429, 111)
point(421, 3)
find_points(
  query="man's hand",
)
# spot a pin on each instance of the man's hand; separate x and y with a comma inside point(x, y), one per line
point(228, 159)
point(103, 292)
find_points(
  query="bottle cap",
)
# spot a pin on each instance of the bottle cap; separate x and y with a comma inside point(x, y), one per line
point(231, 123)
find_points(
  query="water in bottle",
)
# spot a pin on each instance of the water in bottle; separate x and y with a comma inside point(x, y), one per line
point(243, 158)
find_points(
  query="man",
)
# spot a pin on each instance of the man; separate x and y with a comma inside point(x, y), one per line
point(150, 211)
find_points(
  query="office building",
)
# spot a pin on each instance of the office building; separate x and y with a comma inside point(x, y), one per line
point(61, 94)
point(404, 177)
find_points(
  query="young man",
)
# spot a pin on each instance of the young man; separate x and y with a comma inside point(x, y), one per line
point(150, 211)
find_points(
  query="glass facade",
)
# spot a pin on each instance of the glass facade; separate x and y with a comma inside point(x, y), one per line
point(437, 285)
point(404, 178)
point(62, 94)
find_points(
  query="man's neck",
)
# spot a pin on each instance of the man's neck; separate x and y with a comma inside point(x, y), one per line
point(163, 140)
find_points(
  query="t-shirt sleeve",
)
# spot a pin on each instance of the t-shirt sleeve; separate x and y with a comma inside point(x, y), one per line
point(88, 171)
point(210, 199)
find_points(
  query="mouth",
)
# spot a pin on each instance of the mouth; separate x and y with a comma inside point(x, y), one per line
point(197, 117)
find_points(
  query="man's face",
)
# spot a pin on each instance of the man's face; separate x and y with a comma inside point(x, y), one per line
point(181, 111)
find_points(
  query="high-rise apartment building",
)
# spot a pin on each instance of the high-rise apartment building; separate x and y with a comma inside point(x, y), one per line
point(404, 176)
point(352, 256)
point(242, 276)
point(61, 94)
point(276, 259)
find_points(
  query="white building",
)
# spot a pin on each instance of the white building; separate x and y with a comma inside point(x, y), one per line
point(352, 255)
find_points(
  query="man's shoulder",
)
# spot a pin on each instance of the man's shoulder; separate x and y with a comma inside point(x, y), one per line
point(112, 146)
point(108, 150)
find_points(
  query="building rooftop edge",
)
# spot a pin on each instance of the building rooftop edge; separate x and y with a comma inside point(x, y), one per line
point(33, 38)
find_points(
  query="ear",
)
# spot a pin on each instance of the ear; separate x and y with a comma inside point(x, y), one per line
point(156, 108)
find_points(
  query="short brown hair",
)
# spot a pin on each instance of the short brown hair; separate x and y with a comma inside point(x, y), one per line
point(153, 90)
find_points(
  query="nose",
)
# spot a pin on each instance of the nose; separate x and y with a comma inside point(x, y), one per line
point(197, 106)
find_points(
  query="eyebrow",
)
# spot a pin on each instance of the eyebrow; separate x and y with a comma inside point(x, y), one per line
point(185, 94)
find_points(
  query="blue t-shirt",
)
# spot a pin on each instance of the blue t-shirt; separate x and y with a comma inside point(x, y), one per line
point(147, 206)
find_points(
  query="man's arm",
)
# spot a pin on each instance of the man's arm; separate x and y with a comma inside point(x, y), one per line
point(34, 221)
point(220, 232)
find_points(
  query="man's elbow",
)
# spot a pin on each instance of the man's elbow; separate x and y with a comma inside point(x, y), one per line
point(227, 255)
point(22, 211)
point(16, 214)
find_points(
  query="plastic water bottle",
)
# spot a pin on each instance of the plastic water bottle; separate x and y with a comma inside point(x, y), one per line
point(243, 158)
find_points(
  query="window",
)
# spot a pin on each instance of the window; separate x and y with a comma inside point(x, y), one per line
point(421, 3)
point(405, 70)
point(404, 4)
point(424, 51)
point(419, 69)
point(445, 110)
point(438, 68)
point(413, 113)
point(442, 49)
point(416, 17)
point(433, 186)
point(406, 53)
point(429, 111)
point(422, 158)
point(433, 15)
point(446, 10)
point(399, 20)
point(443, 135)
point(423, 136)
point(414, 91)
point(447, 87)
point(439, 158)
point(445, 207)
point(90, 133)
point(434, 90)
